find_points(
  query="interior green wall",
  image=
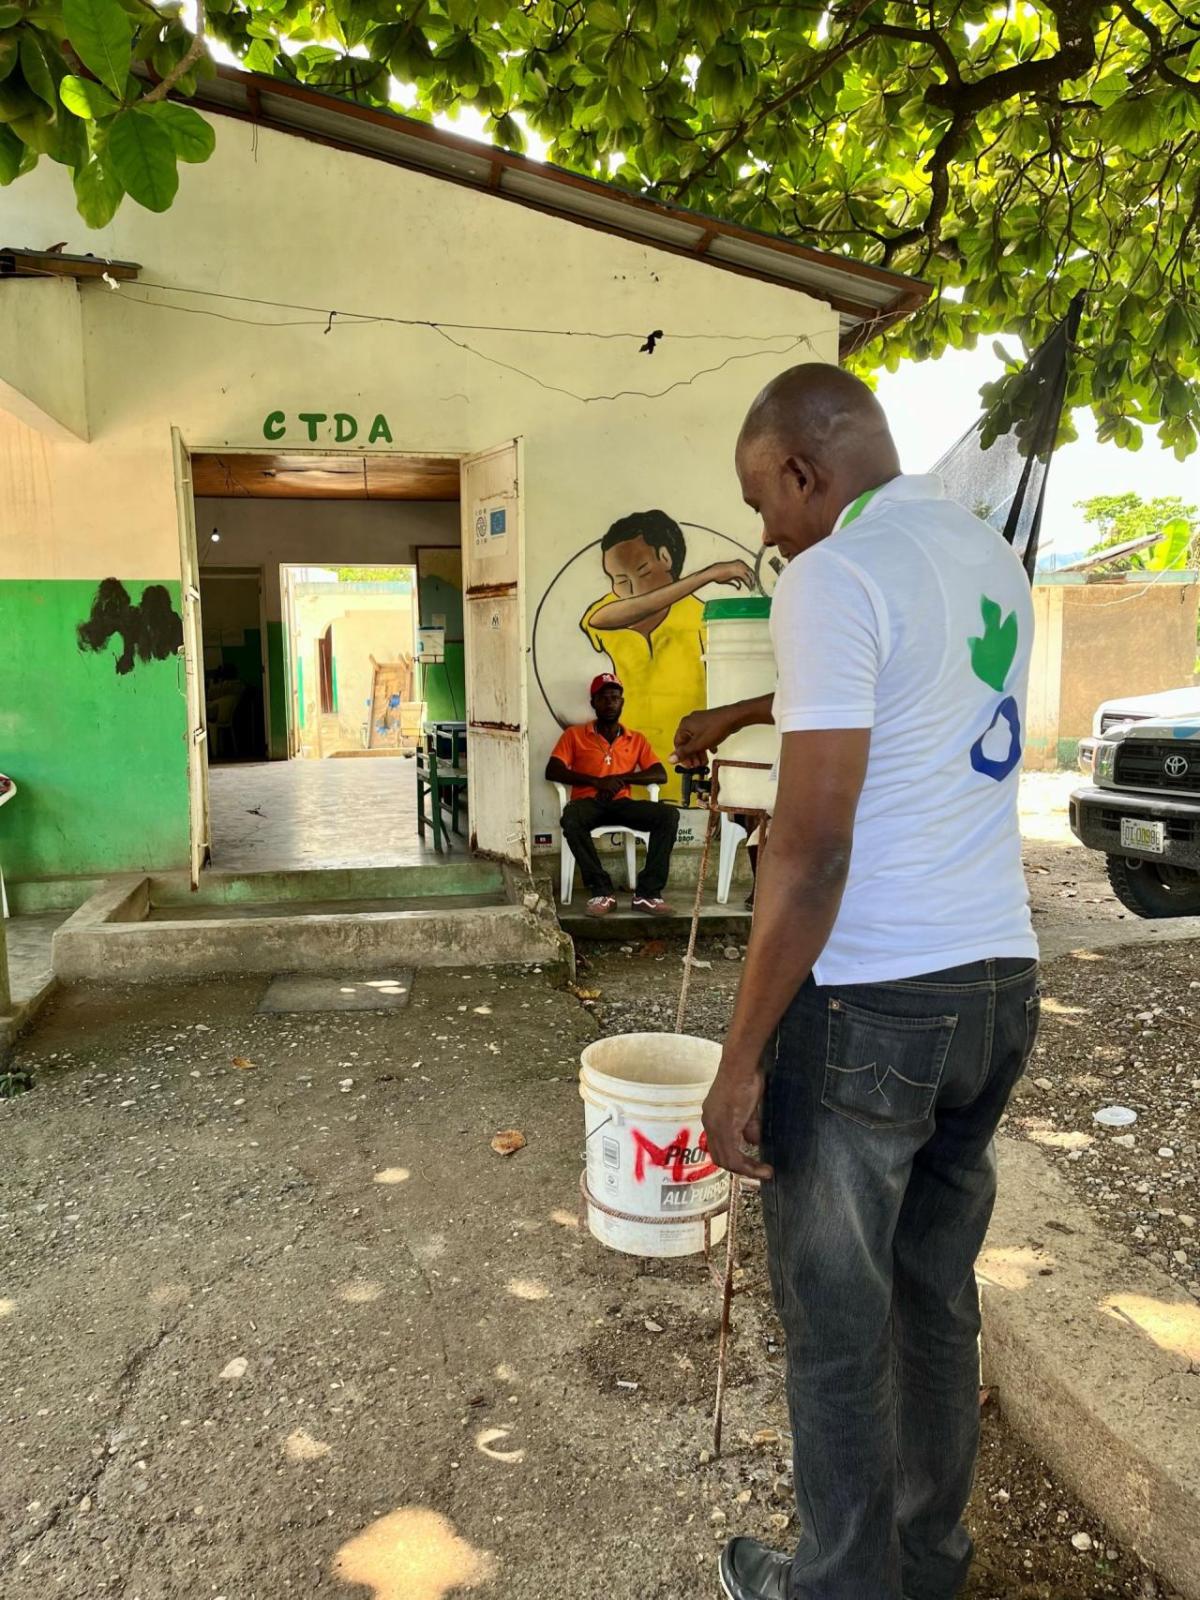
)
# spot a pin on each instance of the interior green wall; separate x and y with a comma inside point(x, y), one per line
point(245, 658)
point(277, 687)
point(444, 687)
point(99, 758)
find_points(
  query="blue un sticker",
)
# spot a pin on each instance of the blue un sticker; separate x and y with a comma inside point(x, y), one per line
point(498, 523)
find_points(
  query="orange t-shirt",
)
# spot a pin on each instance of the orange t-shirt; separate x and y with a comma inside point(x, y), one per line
point(582, 749)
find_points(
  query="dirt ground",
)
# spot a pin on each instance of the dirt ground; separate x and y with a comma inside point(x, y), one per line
point(1022, 1521)
point(1121, 1031)
point(275, 1320)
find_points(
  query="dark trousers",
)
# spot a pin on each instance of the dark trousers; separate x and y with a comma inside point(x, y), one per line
point(660, 821)
point(878, 1117)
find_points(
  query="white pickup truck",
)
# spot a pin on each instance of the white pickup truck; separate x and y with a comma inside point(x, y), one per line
point(1143, 806)
point(1136, 708)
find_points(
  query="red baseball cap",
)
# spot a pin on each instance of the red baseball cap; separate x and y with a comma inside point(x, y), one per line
point(604, 680)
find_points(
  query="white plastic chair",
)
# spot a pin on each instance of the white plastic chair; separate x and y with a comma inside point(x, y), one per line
point(567, 864)
point(732, 835)
point(7, 789)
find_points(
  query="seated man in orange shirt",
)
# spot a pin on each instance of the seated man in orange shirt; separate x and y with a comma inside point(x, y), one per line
point(600, 760)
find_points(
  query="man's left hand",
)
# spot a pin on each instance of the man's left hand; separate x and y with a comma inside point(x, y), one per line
point(732, 1118)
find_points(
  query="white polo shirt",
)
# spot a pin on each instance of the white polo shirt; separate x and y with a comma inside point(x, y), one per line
point(914, 619)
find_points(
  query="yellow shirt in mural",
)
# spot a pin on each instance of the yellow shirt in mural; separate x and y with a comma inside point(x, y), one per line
point(663, 675)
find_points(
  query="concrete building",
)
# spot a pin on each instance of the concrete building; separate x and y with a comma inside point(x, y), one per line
point(344, 344)
point(1096, 639)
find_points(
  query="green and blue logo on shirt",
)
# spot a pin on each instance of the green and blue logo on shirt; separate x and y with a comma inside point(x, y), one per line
point(992, 655)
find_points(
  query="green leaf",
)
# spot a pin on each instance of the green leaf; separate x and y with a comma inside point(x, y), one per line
point(1109, 89)
point(10, 45)
point(605, 17)
point(37, 129)
point(70, 144)
point(11, 152)
point(16, 101)
point(36, 67)
point(1133, 123)
point(260, 58)
point(101, 36)
point(142, 156)
point(1170, 554)
point(10, 16)
point(97, 194)
point(508, 133)
point(85, 98)
point(193, 138)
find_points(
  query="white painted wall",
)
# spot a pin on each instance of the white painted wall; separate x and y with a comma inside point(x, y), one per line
point(277, 217)
point(41, 356)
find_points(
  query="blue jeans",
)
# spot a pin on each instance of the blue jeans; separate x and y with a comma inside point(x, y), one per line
point(878, 1117)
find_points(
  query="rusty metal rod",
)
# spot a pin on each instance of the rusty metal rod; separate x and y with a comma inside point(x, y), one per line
point(726, 1313)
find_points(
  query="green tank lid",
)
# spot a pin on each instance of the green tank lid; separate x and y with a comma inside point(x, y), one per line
point(749, 605)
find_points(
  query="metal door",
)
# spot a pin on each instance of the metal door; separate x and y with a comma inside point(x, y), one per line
point(494, 635)
point(192, 652)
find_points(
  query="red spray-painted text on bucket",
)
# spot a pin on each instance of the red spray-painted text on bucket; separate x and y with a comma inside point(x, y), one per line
point(679, 1156)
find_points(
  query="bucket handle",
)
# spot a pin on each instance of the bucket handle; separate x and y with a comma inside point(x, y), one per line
point(598, 1126)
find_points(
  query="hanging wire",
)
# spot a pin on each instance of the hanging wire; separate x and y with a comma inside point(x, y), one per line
point(332, 321)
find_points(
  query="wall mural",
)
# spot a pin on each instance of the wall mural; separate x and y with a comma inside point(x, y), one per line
point(152, 630)
point(647, 622)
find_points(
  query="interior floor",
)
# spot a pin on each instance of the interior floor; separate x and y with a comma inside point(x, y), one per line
point(285, 815)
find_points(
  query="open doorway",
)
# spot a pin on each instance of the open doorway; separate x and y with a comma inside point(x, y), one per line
point(235, 671)
point(355, 684)
point(326, 547)
point(316, 530)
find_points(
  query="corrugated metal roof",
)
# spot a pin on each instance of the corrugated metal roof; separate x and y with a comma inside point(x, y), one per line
point(866, 298)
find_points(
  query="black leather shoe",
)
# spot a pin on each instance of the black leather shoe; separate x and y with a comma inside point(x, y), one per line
point(749, 1571)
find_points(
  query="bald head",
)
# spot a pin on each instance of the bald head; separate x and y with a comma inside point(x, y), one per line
point(819, 411)
point(812, 442)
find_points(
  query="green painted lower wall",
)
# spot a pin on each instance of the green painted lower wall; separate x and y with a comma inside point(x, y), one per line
point(99, 757)
point(277, 687)
point(444, 686)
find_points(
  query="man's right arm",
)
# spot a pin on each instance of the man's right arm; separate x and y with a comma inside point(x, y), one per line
point(702, 731)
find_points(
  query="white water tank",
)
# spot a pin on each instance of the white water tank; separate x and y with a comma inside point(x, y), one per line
point(740, 665)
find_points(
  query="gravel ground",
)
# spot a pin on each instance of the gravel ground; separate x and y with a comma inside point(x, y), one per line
point(1023, 1522)
point(1122, 1028)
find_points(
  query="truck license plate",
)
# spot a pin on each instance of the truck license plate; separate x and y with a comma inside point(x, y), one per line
point(1149, 836)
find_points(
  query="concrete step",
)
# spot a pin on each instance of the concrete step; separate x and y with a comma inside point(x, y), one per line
point(630, 927)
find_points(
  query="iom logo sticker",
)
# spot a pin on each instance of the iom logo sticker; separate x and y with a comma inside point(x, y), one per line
point(997, 751)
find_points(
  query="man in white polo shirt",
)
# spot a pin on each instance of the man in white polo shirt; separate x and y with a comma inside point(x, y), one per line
point(889, 1000)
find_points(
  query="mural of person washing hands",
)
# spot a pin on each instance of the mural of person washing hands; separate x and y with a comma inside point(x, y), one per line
point(651, 623)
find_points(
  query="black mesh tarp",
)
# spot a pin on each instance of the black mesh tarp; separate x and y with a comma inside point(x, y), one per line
point(1005, 482)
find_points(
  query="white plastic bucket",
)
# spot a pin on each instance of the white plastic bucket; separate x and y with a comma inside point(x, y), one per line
point(646, 1152)
point(740, 664)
